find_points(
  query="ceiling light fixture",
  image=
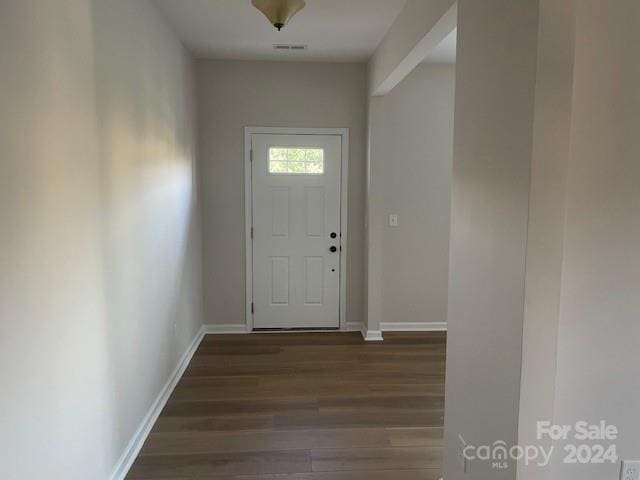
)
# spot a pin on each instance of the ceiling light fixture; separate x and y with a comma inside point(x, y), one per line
point(279, 12)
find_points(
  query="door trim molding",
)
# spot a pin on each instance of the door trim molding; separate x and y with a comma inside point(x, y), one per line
point(248, 210)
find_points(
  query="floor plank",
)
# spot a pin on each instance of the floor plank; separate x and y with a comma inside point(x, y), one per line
point(171, 466)
point(303, 406)
point(406, 458)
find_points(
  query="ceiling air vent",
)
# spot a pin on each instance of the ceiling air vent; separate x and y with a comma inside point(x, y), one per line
point(289, 48)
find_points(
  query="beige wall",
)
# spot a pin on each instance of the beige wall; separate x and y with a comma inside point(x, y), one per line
point(411, 156)
point(99, 251)
point(495, 80)
point(235, 94)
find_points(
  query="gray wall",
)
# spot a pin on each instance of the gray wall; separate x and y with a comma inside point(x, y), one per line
point(582, 269)
point(547, 213)
point(235, 94)
point(495, 80)
point(598, 355)
point(581, 327)
point(99, 250)
point(411, 157)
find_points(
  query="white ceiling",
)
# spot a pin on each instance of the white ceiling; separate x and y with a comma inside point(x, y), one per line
point(334, 30)
point(445, 51)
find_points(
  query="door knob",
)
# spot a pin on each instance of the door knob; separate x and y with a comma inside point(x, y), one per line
point(333, 235)
point(333, 249)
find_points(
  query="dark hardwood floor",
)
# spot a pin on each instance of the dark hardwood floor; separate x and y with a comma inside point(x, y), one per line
point(303, 406)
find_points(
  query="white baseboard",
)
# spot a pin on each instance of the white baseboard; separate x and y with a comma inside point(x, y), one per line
point(413, 327)
point(376, 335)
point(225, 329)
point(372, 336)
point(137, 440)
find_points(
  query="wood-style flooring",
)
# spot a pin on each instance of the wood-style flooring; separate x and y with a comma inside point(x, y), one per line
point(303, 406)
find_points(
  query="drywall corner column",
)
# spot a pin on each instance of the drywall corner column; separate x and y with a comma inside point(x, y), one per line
point(547, 208)
point(373, 307)
point(495, 83)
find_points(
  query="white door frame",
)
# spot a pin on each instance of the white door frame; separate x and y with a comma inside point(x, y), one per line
point(248, 209)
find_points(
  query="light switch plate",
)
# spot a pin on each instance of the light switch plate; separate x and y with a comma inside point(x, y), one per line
point(630, 470)
point(393, 220)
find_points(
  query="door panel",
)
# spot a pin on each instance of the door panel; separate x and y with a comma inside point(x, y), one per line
point(280, 211)
point(280, 281)
point(313, 280)
point(295, 208)
point(315, 206)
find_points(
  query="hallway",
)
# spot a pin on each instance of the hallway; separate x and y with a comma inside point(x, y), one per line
point(303, 406)
point(440, 188)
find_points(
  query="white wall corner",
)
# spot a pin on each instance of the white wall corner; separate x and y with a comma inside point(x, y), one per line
point(140, 435)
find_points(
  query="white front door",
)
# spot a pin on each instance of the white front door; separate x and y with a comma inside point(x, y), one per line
point(296, 230)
